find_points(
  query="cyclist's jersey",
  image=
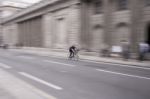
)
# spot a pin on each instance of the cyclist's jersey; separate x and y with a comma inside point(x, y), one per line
point(72, 49)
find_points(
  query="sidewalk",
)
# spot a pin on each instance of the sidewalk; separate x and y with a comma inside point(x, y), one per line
point(14, 88)
point(60, 54)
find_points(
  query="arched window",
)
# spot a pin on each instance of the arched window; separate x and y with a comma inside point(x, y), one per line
point(122, 32)
point(98, 7)
point(122, 4)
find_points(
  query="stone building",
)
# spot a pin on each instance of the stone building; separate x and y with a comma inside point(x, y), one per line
point(91, 24)
point(8, 8)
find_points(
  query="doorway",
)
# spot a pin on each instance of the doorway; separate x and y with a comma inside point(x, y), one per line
point(148, 34)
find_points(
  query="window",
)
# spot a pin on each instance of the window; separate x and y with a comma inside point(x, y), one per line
point(147, 2)
point(98, 7)
point(122, 4)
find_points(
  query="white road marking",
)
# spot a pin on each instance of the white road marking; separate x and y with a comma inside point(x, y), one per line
point(60, 63)
point(47, 96)
point(117, 64)
point(146, 68)
point(41, 81)
point(4, 66)
point(117, 73)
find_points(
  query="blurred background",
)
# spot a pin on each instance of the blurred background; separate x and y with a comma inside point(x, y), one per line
point(95, 26)
point(74, 49)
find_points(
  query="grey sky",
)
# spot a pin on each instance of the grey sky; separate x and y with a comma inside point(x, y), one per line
point(31, 1)
point(28, 1)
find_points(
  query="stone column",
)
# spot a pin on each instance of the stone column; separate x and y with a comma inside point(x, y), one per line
point(28, 32)
point(136, 18)
point(85, 23)
point(15, 34)
point(74, 24)
point(47, 25)
point(1, 34)
point(4, 34)
point(108, 22)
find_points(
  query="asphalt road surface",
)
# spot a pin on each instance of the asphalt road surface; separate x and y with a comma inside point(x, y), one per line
point(68, 79)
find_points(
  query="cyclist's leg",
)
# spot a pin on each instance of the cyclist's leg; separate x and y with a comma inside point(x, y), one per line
point(73, 55)
point(70, 55)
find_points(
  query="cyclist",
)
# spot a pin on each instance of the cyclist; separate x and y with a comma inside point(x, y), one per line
point(72, 51)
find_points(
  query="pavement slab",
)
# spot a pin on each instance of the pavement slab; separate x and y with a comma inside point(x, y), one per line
point(14, 88)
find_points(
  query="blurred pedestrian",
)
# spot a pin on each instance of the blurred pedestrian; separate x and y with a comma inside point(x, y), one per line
point(5, 46)
point(125, 49)
point(143, 49)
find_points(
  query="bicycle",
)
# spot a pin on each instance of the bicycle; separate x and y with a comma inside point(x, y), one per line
point(75, 55)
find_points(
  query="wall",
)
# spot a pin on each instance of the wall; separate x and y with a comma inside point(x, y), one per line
point(10, 34)
point(30, 32)
point(61, 28)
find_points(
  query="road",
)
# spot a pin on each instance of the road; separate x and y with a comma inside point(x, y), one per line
point(68, 79)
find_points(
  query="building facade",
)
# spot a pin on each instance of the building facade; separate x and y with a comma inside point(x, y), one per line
point(91, 24)
point(7, 9)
